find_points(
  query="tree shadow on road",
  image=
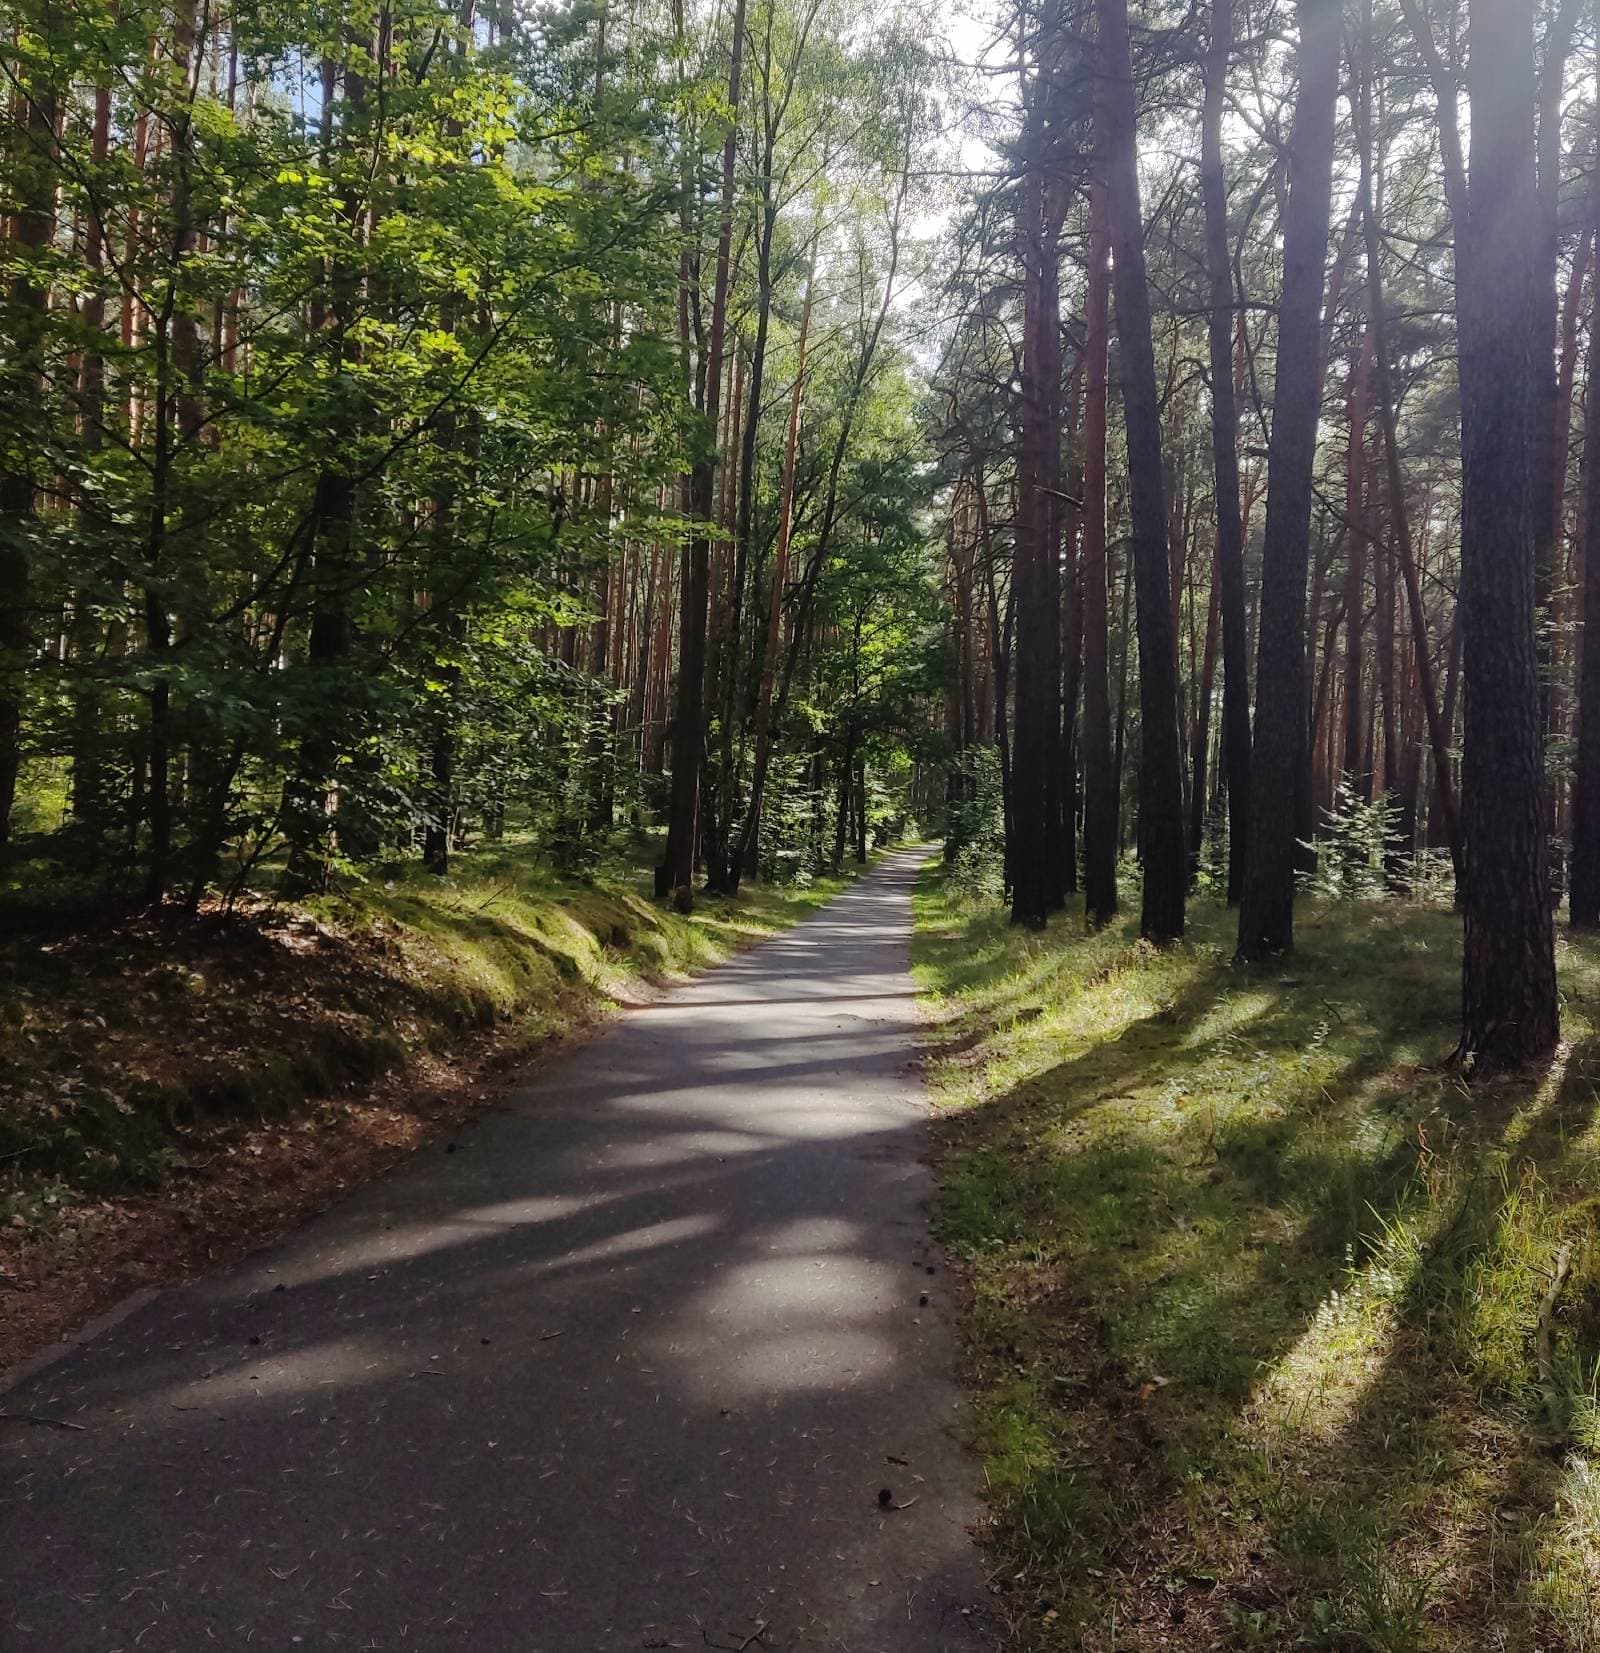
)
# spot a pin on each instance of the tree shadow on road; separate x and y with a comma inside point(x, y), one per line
point(629, 1362)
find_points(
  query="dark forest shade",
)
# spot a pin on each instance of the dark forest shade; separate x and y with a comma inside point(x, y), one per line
point(20, 382)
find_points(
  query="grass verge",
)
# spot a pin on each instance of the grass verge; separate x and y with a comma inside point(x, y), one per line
point(173, 1091)
point(1280, 1336)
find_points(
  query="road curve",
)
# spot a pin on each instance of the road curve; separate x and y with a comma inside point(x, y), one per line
point(639, 1365)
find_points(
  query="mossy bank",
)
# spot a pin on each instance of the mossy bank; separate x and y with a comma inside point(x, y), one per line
point(174, 1088)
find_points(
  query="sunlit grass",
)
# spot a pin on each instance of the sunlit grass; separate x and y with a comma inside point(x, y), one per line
point(1262, 1317)
point(506, 931)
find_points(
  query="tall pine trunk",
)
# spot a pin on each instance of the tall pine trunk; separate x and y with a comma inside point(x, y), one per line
point(1355, 570)
point(1035, 792)
point(1509, 1014)
point(1279, 754)
point(312, 796)
point(688, 733)
point(1543, 445)
point(1399, 516)
point(1584, 872)
point(1161, 826)
point(1225, 451)
point(1200, 737)
point(1099, 771)
point(750, 837)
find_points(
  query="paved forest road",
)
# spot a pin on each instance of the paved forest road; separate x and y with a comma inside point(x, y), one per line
point(627, 1371)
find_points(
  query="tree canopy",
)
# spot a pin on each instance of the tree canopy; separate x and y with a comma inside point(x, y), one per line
point(774, 421)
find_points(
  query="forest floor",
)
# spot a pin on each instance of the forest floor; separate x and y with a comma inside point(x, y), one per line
point(176, 1091)
point(1281, 1335)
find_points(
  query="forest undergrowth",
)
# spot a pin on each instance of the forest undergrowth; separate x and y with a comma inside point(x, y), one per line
point(1280, 1335)
point(176, 1089)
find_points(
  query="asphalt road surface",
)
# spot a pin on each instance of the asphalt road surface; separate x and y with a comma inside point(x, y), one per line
point(638, 1365)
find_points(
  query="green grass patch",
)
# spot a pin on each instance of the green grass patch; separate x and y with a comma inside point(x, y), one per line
point(1280, 1336)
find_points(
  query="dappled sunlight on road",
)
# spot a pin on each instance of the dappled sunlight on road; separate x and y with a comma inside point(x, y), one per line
point(801, 1320)
point(641, 1349)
